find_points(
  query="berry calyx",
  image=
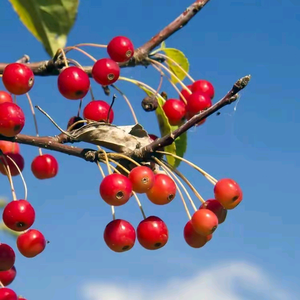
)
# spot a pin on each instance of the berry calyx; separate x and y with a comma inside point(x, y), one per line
point(116, 189)
point(97, 110)
point(9, 147)
point(73, 83)
point(163, 190)
point(18, 78)
point(204, 221)
point(7, 277)
point(44, 166)
point(31, 243)
point(12, 119)
point(18, 215)
point(152, 233)
point(120, 49)
point(119, 235)
point(175, 111)
point(192, 238)
point(7, 294)
point(217, 208)
point(204, 87)
point(5, 97)
point(73, 120)
point(7, 257)
point(106, 71)
point(17, 158)
point(142, 179)
point(185, 93)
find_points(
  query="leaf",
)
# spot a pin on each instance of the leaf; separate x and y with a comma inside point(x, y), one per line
point(163, 45)
point(49, 21)
point(3, 203)
point(180, 59)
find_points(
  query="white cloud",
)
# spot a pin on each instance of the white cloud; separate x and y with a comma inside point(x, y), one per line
point(229, 281)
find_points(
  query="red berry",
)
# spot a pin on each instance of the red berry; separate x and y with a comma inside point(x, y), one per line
point(152, 233)
point(175, 111)
point(9, 147)
point(204, 221)
point(197, 102)
point(228, 193)
point(7, 257)
point(7, 277)
point(216, 207)
point(44, 166)
point(73, 120)
point(153, 137)
point(120, 49)
point(185, 93)
point(163, 191)
point(18, 215)
point(18, 78)
point(8, 294)
point(205, 87)
point(73, 83)
point(5, 97)
point(192, 238)
point(97, 110)
point(21, 298)
point(116, 189)
point(106, 71)
point(17, 158)
point(12, 119)
point(31, 243)
point(142, 179)
point(119, 235)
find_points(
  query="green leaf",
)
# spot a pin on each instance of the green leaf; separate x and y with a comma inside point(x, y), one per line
point(180, 59)
point(180, 145)
point(163, 45)
point(3, 203)
point(50, 21)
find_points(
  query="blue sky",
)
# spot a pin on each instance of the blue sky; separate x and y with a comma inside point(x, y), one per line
point(256, 144)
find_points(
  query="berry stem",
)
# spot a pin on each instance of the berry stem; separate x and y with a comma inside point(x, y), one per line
point(76, 123)
point(1, 285)
point(110, 107)
point(61, 50)
point(123, 156)
point(113, 212)
point(106, 160)
point(118, 165)
point(67, 49)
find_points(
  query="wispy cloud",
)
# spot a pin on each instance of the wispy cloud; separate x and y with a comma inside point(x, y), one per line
point(229, 281)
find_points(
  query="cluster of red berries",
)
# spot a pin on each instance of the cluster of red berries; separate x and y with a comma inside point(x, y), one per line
point(196, 98)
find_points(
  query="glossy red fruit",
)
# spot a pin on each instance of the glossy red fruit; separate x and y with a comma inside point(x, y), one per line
point(204, 221)
point(152, 233)
point(205, 87)
point(7, 257)
point(217, 208)
point(9, 147)
point(12, 119)
point(153, 137)
point(73, 83)
point(120, 49)
point(8, 294)
point(44, 166)
point(21, 298)
point(17, 158)
point(142, 179)
point(73, 120)
point(97, 110)
point(18, 215)
point(18, 78)
point(194, 239)
point(175, 111)
point(163, 191)
point(228, 193)
point(185, 93)
point(31, 243)
point(116, 189)
point(5, 97)
point(196, 103)
point(119, 235)
point(7, 277)
point(106, 71)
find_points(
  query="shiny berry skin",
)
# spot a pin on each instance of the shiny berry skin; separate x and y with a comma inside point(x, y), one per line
point(5, 97)
point(44, 166)
point(8, 294)
point(31, 243)
point(7, 257)
point(217, 208)
point(204, 221)
point(116, 189)
point(119, 235)
point(228, 193)
point(7, 277)
point(153, 137)
point(192, 238)
point(142, 179)
point(17, 158)
point(12, 119)
point(120, 49)
point(106, 71)
point(197, 102)
point(18, 78)
point(73, 120)
point(204, 87)
point(185, 93)
point(163, 191)
point(73, 83)
point(18, 215)
point(9, 147)
point(21, 298)
point(97, 110)
point(152, 233)
point(175, 111)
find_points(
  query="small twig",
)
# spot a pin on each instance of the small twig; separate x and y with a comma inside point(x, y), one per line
point(24, 59)
point(110, 108)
